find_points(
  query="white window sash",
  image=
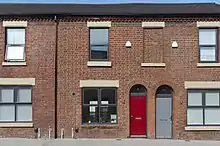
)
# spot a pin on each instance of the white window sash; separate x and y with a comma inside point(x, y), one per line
point(13, 57)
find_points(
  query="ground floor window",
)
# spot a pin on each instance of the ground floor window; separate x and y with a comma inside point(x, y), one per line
point(15, 104)
point(203, 107)
point(99, 106)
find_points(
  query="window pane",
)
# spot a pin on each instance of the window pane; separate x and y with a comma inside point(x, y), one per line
point(7, 113)
point(212, 99)
point(108, 96)
point(24, 95)
point(90, 96)
point(108, 114)
point(15, 53)
point(15, 36)
point(99, 52)
point(90, 114)
point(99, 37)
point(207, 36)
point(24, 113)
point(212, 116)
point(194, 116)
point(7, 95)
point(207, 54)
point(195, 99)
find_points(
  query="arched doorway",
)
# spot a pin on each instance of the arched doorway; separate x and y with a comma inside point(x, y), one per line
point(138, 111)
point(164, 112)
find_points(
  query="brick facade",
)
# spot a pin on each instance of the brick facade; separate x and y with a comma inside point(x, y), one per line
point(149, 45)
point(40, 55)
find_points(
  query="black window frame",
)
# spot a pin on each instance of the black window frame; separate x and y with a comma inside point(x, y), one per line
point(99, 105)
point(15, 45)
point(90, 50)
point(203, 106)
point(16, 103)
point(216, 45)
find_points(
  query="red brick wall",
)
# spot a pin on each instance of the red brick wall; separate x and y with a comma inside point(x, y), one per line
point(73, 54)
point(40, 54)
point(153, 45)
point(181, 65)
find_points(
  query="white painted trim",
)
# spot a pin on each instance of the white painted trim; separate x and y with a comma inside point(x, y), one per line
point(17, 81)
point(16, 124)
point(153, 64)
point(208, 64)
point(14, 63)
point(99, 63)
point(14, 23)
point(153, 24)
point(99, 24)
point(99, 83)
point(202, 128)
point(202, 84)
point(208, 24)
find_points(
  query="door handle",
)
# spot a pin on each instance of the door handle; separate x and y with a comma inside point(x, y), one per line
point(171, 118)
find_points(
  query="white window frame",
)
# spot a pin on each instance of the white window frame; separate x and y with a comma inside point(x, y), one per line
point(14, 45)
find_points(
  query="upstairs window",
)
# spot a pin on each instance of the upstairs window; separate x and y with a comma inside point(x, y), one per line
point(15, 44)
point(99, 43)
point(208, 45)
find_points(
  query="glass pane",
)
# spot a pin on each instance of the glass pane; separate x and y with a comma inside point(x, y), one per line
point(212, 99)
point(24, 95)
point(7, 113)
point(194, 99)
point(207, 54)
point(108, 96)
point(15, 53)
point(16, 36)
point(99, 37)
point(99, 52)
point(207, 36)
point(212, 116)
point(108, 114)
point(90, 96)
point(7, 95)
point(90, 114)
point(24, 113)
point(194, 116)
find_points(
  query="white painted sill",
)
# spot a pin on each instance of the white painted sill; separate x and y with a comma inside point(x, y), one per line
point(16, 125)
point(202, 128)
point(99, 63)
point(153, 64)
point(14, 63)
point(208, 64)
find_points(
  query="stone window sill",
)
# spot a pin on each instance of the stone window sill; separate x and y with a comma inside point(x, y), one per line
point(202, 128)
point(14, 63)
point(99, 63)
point(87, 126)
point(208, 64)
point(16, 125)
point(153, 64)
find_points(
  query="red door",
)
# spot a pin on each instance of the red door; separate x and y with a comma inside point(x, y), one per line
point(138, 115)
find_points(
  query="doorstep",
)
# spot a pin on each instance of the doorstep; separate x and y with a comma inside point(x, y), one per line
point(137, 136)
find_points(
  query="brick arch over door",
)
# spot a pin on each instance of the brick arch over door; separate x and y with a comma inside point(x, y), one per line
point(164, 112)
point(138, 111)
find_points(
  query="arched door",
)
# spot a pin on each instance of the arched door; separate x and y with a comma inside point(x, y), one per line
point(138, 111)
point(164, 112)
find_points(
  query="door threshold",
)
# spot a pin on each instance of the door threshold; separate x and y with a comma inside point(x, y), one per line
point(138, 136)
